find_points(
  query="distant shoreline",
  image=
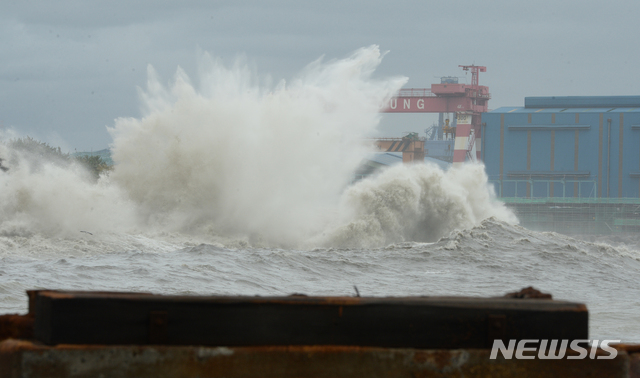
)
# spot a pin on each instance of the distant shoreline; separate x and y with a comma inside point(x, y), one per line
point(104, 154)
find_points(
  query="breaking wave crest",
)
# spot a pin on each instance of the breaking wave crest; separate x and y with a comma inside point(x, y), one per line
point(418, 203)
point(57, 197)
point(242, 160)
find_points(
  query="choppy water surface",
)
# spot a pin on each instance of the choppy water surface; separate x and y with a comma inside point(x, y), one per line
point(238, 187)
point(487, 260)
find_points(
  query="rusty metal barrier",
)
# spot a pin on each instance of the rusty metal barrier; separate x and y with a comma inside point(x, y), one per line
point(88, 334)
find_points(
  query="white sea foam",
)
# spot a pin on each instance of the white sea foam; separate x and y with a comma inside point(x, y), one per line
point(418, 202)
point(57, 199)
point(213, 169)
point(242, 160)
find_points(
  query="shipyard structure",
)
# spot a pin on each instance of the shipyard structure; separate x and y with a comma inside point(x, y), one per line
point(567, 164)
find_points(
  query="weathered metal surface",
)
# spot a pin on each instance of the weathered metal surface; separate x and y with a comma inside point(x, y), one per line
point(634, 365)
point(20, 358)
point(16, 326)
point(416, 322)
point(528, 293)
point(26, 360)
point(633, 350)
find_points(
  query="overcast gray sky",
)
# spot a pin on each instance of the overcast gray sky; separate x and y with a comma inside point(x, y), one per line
point(70, 67)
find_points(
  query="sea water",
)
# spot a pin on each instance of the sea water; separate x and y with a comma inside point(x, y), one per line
point(239, 185)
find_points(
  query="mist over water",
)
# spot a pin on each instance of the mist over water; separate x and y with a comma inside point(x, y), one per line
point(52, 197)
point(270, 164)
point(237, 185)
point(419, 203)
point(244, 159)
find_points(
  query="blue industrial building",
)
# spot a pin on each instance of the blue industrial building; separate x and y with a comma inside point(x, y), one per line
point(579, 147)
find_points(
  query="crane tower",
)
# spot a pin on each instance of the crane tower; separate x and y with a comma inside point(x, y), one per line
point(466, 101)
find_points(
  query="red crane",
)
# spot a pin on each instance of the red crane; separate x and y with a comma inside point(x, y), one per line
point(467, 101)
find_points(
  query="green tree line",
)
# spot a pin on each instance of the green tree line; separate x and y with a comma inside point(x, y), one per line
point(42, 151)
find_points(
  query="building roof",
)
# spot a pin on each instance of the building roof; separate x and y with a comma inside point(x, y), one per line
point(520, 109)
point(575, 104)
point(582, 102)
point(385, 158)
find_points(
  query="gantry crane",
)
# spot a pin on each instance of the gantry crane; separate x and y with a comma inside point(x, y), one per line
point(467, 101)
